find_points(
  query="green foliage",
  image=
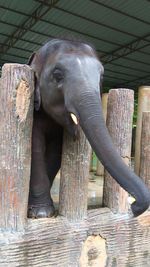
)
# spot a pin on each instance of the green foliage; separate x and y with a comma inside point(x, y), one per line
point(105, 89)
point(135, 109)
point(94, 161)
point(135, 114)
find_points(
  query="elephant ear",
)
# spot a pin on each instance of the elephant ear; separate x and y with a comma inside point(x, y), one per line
point(37, 95)
point(29, 62)
point(33, 62)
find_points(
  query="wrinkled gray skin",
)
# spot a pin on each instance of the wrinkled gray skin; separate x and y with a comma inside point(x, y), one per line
point(68, 75)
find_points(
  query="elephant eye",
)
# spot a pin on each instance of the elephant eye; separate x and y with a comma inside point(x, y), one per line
point(58, 75)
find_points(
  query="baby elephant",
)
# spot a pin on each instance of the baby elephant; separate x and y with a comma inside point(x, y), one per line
point(67, 93)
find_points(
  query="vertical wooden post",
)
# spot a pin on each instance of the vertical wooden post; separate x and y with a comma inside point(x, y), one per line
point(145, 149)
point(100, 167)
point(16, 109)
point(143, 105)
point(74, 177)
point(119, 123)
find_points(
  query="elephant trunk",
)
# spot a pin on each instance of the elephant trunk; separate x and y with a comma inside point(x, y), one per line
point(89, 110)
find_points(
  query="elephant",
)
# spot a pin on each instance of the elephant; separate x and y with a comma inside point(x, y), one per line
point(68, 77)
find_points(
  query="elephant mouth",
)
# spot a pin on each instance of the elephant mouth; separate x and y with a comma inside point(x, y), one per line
point(70, 121)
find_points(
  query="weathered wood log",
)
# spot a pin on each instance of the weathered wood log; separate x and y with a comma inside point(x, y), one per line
point(93, 252)
point(57, 242)
point(145, 149)
point(143, 105)
point(119, 123)
point(100, 167)
point(74, 177)
point(16, 112)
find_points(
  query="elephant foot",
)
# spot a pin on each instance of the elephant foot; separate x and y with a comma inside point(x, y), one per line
point(41, 211)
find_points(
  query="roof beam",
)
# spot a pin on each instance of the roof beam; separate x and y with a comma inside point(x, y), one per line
point(142, 79)
point(106, 70)
point(120, 12)
point(70, 29)
point(117, 53)
point(50, 36)
point(39, 12)
point(119, 73)
point(129, 67)
point(14, 55)
point(91, 20)
point(125, 50)
point(21, 39)
point(19, 48)
point(62, 27)
point(138, 43)
point(39, 44)
point(137, 61)
point(66, 28)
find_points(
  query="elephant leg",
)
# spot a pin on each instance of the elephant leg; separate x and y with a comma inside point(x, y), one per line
point(53, 157)
point(40, 202)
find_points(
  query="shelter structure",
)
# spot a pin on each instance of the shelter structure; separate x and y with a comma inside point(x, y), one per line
point(119, 31)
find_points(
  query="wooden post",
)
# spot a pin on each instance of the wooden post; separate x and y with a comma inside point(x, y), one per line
point(145, 149)
point(74, 177)
point(16, 109)
point(100, 167)
point(143, 105)
point(119, 123)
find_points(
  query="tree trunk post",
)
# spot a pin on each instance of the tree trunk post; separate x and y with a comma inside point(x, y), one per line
point(100, 167)
point(145, 149)
point(74, 177)
point(119, 123)
point(143, 105)
point(16, 115)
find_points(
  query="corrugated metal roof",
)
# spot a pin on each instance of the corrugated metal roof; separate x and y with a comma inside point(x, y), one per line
point(118, 29)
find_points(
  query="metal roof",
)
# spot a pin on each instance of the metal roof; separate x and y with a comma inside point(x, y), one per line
point(120, 31)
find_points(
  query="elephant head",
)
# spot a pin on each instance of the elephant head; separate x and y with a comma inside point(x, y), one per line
point(68, 76)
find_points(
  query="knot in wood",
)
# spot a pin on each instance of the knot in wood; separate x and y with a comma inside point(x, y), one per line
point(23, 96)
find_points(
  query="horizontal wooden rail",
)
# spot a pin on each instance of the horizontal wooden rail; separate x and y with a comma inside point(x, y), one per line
point(104, 240)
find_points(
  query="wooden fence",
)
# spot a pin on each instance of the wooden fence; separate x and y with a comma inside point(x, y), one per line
point(77, 237)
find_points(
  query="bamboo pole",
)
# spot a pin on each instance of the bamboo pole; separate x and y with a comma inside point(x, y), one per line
point(16, 109)
point(119, 123)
